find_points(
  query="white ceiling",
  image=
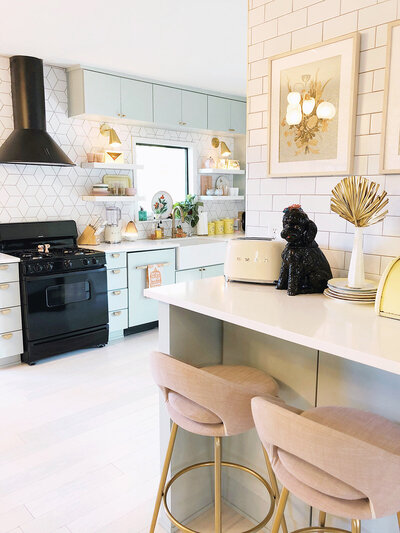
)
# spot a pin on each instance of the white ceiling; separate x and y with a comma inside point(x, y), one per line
point(199, 43)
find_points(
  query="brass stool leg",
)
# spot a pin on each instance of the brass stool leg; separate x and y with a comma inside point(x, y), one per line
point(274, 486)
point(164, 474)
point(217, 483)
point(322, 519)
point(355, 526)
point(280, 510)
point(398, 519)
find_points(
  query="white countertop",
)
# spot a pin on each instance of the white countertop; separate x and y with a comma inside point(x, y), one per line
point(5, 258)
point(158, 244)
point(346, 330)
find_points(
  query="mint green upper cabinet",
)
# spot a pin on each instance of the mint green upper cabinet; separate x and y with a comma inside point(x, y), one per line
point(194, 110)
point(102, 93)
point(167, 105)
point(136, 100)
point(219, 113)
point(238, 117)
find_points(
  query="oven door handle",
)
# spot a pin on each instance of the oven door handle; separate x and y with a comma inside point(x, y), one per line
point(64, 274)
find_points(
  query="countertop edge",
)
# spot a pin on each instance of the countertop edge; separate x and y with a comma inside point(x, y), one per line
point(357, 356)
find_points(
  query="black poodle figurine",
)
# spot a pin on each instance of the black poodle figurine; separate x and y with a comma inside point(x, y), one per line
point(305, 268)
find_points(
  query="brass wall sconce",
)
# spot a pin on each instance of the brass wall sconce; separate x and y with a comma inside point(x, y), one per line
point(114, 140)
point(225, 152)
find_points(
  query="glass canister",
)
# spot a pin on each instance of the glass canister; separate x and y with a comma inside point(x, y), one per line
point(219, 227)
point(228, 225)
point(211, 228)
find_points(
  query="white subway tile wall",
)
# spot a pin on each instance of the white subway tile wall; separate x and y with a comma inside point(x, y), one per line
point(288, 25)
point(30, 193)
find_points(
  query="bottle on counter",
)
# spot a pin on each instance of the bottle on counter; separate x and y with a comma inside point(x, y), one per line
point(142, 215)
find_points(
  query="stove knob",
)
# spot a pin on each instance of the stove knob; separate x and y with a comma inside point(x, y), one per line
point(68, 263)
point(85, 262)
point(38, 267)
point(29, 269)
point(48, 267)
point(95, 261)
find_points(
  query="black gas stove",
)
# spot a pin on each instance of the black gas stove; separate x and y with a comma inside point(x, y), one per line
point(58, 259)
point(63, 288)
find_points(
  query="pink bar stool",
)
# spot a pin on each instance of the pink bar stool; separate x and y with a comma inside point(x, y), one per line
point(214, 401)
point(342, 461)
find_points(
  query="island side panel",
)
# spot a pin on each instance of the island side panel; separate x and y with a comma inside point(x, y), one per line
point(349, 384)
point(197, 340)
point(295, 369)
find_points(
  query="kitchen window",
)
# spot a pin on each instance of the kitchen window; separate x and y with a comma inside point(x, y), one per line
point(165, 169)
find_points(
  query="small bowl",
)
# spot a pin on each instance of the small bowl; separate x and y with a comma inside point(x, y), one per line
point(210, 192)
point(130, 191)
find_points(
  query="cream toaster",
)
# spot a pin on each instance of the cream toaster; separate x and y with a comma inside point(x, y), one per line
point(254, 260)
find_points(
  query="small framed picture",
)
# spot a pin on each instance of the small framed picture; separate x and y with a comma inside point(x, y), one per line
point(312, 103)
point(112, 156)
point(390, 150)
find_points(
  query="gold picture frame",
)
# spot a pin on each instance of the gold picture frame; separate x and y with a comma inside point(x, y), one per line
point(316, 145)
point(390, 139)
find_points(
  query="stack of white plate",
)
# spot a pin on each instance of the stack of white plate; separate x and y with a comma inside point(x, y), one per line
point(338, 289)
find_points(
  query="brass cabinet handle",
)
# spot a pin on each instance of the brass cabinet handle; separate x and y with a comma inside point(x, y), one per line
point(5, 311)
point(3, 267)
point(117, 313)
point(116, 293)
point(115, 256)
point(183, 123)
point(117, 271)
point(7, 336)
point(4, 286)
point(231, 129)
point(143, 267)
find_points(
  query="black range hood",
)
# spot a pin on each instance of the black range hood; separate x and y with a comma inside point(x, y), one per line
point(29, 143)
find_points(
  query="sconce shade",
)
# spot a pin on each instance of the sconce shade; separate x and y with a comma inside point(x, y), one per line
point(225, 152)
point(114, 139)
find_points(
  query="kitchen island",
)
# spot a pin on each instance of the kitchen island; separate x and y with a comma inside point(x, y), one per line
point(321, 352)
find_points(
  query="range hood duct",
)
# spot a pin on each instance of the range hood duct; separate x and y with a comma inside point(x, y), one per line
point(29, 143)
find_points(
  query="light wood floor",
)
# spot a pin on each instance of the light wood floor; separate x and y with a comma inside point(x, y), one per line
point(79, 444)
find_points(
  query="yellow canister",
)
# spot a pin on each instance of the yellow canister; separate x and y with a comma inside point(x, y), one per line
point(211, 228)
point(219, 227)
point(228, 225)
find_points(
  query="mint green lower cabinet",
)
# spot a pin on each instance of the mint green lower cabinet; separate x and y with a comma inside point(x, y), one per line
point(192, 274)
point(188, 275)
point(143, 310)
point(213, 271)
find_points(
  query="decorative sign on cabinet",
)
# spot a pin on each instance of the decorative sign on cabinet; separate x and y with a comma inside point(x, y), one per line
point(100, 94)
point(143, 310)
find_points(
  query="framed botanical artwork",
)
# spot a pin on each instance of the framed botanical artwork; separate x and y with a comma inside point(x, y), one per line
point(390, 149)
point(312, 109)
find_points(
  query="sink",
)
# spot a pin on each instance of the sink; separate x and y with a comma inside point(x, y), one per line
point(194, 241)
point(190, 255)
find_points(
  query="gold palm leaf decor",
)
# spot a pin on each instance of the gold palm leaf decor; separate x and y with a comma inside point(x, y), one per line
point(357, 200)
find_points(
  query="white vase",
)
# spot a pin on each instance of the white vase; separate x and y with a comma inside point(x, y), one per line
point(356, 278)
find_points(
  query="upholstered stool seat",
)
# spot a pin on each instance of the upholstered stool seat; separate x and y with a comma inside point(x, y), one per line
point(343, 461)
point(190, 415)
point(213, 401)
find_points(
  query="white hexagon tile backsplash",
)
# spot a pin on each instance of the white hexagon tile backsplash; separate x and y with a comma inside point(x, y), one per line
point(31, 193)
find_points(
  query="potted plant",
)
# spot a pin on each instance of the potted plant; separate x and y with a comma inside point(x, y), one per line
point(190, 207)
